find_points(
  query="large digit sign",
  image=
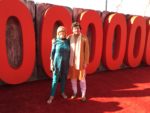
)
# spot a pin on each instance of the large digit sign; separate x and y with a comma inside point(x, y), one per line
point(115, 41)
point(9, 8)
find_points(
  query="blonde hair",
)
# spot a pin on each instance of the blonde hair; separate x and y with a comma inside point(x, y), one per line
point(60, 28)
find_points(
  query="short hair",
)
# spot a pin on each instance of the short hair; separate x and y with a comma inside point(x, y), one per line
point(60, 28)
point(76, 24)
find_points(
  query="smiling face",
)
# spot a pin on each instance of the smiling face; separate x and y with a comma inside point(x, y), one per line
point(76, 30)
point(61, 32)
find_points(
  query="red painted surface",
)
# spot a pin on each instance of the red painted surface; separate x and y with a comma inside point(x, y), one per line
point(147, 44)
point(136, 40)
point(115, 33)
point(22, 73)
point(125, 41)
point(52, 16)
point(93, 20)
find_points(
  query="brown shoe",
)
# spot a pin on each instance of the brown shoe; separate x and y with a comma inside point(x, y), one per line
point(83, 99)
point(74, 96)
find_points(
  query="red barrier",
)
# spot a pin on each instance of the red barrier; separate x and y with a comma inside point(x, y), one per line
point(93, 19)
point(50, 18)
point(115, 33)
point(9, 8)
point(136, 40)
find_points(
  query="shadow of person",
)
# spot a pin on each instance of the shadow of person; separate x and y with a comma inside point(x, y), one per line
point(76, 106)
point(94, 106)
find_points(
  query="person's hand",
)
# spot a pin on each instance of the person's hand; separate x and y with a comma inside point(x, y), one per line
point(52, 67)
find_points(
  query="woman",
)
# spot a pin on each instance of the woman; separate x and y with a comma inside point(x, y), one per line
point(59, 62)
point(79, 59)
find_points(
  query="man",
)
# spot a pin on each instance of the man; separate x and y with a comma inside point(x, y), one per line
point(79, 59)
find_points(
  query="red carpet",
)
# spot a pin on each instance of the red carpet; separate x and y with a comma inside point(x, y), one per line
point(122, 91)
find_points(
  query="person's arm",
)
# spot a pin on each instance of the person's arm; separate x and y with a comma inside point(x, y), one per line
point(51, 65)
point(52, 55)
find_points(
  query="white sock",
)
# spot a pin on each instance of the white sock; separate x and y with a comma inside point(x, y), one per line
point(83, 87)
point(74, 85)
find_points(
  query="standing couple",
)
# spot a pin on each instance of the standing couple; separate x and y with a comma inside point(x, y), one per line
point(69, 58)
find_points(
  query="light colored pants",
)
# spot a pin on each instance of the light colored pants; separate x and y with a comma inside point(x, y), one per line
point(82, 86)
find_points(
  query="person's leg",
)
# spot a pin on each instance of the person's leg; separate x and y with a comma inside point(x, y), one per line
point(83, 89)
point(64, 73)
point(53, 88)
point(63, 83)
point(54, 84)
point(74, 88)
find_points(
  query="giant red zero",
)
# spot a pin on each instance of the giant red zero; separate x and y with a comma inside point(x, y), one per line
point(147, 44)
point(14, 8)
point(97, 37)
point(115, 42)
point(136, 40)
point(51, 16)
point(115, 39)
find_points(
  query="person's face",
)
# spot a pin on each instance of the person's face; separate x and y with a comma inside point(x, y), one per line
point(62, 34)
point(76, 30)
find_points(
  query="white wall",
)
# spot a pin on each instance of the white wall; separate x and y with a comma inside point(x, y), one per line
point(134, 7)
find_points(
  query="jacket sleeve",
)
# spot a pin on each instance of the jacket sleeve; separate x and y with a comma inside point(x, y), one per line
point(86, 50)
